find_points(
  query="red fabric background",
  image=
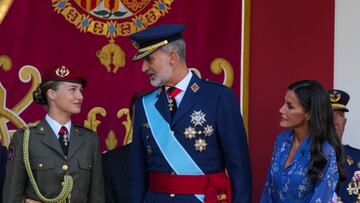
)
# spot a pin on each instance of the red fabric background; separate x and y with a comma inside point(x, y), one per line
point(34, 34)
point(290, 41)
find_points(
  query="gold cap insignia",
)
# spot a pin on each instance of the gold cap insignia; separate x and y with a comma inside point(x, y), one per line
point(62, 72)
point(335, 96)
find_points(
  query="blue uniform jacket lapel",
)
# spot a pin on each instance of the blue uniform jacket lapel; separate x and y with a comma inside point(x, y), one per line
point(162, 106)
point(49, 137)
point(188, 100)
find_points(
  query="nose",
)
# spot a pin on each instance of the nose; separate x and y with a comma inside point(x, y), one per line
point(144, 66)
point(281, 110)
point(79, 95)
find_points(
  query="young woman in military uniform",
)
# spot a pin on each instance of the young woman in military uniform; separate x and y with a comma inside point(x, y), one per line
point(55, 161)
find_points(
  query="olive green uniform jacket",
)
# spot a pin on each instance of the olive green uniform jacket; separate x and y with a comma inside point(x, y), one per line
point(49, 165)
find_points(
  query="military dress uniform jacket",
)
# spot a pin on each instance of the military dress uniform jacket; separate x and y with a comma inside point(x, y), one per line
point(116, 168)
point(351, 164)
point(49, 165)
point(207, 107)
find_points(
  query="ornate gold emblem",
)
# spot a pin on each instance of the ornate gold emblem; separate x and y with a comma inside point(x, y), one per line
point(200, 145)
point(335, 96)
point(112, 18)
point(62, 72)
point(111, 55)
point(190, 132)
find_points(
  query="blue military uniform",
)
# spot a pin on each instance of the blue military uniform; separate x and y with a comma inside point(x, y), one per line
point(349, 190)
point(197, 142)
point(226, 145)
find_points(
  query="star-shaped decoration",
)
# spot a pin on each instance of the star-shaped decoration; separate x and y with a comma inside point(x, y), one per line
point(208, 130)
point(200, 145)
point(190, 132)
point(198, 118)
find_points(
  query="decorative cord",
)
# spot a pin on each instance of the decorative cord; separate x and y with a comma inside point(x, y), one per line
point(68, 181)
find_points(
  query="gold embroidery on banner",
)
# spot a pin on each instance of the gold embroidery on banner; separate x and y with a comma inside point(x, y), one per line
point(4, 7)
point(26, 74)
point(107, 22)
point(219, 65)
point(111, 55)
point(5, 62)
point(127, 124)
point(96, 27)
point(91, 122)
point(111, 141)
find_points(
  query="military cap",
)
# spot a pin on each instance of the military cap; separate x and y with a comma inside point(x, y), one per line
point(149, 40)
point(64, 73)
point(339, 99)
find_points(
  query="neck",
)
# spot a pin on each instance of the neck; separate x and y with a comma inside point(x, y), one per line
point(301, 133)
point(178, 74)
point(60, 117)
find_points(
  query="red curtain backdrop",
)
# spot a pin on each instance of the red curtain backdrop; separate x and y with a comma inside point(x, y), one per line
point(290, 41)
point(35, 33)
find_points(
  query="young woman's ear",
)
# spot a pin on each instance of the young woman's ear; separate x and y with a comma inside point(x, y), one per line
point(50, 94)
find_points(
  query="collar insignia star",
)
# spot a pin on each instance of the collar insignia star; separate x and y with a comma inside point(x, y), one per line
point(198, 118)
point(200, 145)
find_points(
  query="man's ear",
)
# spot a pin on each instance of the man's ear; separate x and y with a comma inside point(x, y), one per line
point(172, 57)
point(308, 116)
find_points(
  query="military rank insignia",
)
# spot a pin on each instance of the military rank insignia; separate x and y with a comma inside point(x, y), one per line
point(198, 130)
point(349, 160)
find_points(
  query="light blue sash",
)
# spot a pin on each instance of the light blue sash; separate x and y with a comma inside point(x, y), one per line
point(174, 153)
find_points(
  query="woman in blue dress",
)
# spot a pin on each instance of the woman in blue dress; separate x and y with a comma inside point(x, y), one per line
point(306, 161)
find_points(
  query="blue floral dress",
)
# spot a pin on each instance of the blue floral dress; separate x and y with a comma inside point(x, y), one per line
point(291, 184)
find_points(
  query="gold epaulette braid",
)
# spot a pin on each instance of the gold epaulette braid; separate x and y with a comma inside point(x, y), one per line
point(68, 181)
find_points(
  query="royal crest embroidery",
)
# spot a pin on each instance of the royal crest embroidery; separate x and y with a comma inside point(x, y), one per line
point(200, 145)
point(198, 118)
point(112, 19)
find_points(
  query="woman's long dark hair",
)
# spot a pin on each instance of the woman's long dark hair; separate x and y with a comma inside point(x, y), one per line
point(315, 100)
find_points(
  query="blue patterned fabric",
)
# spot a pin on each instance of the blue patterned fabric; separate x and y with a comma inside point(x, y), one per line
point(291, 184)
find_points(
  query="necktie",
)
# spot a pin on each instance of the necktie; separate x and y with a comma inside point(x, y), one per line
point(172, 92)
point(64, 139)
